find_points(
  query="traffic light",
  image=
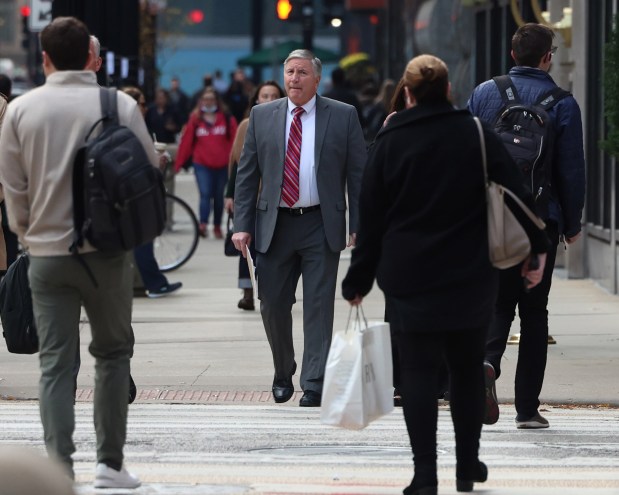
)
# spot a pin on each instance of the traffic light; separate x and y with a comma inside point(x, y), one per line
point(25, 17)
point(196, 16)
point(333, 12)
point(283, 8)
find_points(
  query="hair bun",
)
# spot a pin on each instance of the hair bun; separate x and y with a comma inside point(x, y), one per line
point(427, 73)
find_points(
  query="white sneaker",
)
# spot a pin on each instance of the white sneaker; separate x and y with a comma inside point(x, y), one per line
point(106, 477)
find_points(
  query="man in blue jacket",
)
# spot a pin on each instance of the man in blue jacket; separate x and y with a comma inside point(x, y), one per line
point(532, 51)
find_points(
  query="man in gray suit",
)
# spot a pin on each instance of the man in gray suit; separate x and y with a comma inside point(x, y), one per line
point(301, 155)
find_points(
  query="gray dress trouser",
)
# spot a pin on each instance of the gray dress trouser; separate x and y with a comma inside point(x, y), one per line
point(299, 247)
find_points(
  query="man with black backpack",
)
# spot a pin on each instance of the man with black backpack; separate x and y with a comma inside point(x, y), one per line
point(42, 133)
point(541, 127)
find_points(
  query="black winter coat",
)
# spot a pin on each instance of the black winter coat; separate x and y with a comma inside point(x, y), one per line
point(423, 228)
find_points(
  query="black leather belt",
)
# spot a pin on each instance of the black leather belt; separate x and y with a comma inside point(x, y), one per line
point(297, 212)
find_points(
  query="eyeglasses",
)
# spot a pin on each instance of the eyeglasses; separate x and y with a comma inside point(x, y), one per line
point(553, 50)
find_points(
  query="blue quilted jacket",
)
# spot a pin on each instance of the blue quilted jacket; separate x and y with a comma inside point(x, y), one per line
point(568, 172)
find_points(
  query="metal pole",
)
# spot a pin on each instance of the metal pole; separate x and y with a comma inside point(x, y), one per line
point(257, 34)
point(308, 24)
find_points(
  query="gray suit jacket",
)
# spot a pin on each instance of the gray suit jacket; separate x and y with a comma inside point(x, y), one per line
point(340, 156)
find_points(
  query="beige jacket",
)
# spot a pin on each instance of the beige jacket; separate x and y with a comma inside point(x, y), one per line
point(42, 132)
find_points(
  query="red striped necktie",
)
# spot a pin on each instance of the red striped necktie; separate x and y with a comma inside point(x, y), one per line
point(290, 186)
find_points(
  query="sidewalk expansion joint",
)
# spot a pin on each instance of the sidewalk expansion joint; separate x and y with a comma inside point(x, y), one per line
point(192, 396)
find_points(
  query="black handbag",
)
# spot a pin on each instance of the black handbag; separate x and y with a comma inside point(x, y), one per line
point(229, 249)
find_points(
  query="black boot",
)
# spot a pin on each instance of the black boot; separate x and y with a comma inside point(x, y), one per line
point(247, 303)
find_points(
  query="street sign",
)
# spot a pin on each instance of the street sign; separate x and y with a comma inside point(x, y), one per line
point(40, 14)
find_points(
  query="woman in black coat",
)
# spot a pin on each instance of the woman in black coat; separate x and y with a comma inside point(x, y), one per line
point(423, 236)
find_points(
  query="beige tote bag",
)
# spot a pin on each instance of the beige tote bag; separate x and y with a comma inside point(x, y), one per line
point(508, 242)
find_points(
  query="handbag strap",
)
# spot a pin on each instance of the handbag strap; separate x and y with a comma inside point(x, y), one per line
point(358, 316)
point(482, 143)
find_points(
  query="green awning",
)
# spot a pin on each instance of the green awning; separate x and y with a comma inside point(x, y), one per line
point(276, 54)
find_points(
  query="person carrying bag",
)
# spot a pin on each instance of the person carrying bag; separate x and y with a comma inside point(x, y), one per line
point(424, 237)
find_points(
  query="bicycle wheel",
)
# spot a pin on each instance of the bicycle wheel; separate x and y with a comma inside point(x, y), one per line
point(179, 239)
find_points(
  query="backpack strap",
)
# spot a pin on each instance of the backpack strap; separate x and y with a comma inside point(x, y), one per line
point(78, 212)
point(78, 200)
point(552, 97)
point(109, 106)
point(508, 91)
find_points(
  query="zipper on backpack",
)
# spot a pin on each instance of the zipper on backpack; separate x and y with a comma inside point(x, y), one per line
point(539, 154)
point(539, 193)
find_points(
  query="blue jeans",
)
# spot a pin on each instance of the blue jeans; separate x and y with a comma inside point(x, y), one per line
point(149, 269)
point(211, 184)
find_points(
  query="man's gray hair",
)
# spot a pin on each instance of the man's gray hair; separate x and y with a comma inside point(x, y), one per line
point(306, 55)
point(96, 45)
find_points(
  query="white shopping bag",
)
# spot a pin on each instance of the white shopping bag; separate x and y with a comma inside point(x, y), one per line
point(358, 384)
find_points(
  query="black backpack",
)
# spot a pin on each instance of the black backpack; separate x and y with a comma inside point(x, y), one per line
point(16, 313)
point(528, 133)
point(118, 196)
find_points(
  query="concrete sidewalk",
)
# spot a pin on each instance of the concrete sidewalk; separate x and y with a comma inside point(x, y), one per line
point(197, 346)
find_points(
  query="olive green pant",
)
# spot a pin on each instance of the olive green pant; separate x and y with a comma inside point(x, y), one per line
point(60, 286)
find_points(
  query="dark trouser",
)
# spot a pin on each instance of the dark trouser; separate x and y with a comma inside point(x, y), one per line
point(299, 247)
point(532, 309)
point(149, 269)
point(421, 358)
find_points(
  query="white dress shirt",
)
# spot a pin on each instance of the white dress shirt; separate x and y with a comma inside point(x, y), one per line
point(308, 190)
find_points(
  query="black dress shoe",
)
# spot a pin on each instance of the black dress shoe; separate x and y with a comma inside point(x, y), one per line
point(282, 390)
point(466, 485)
point(310, 399)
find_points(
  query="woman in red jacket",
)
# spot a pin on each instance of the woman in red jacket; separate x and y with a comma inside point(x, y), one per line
point(207, 140)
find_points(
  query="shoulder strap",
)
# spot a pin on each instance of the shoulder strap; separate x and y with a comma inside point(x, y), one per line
point(508, 91)
point(109, 110)
point(482, 144)
point(552, 97)
point(109, 106)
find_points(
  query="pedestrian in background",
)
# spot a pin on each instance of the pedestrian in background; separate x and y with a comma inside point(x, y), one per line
point(532, 50)
point(302, 154)
point(340, 91)
point(236, 95)
point(423, 236)
point(161, 119)
point(155, 282)
point(179, 100)
point(207, 82)
point(207, 141)
point(265, 92)
point(378, 111)
point(42, 132)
